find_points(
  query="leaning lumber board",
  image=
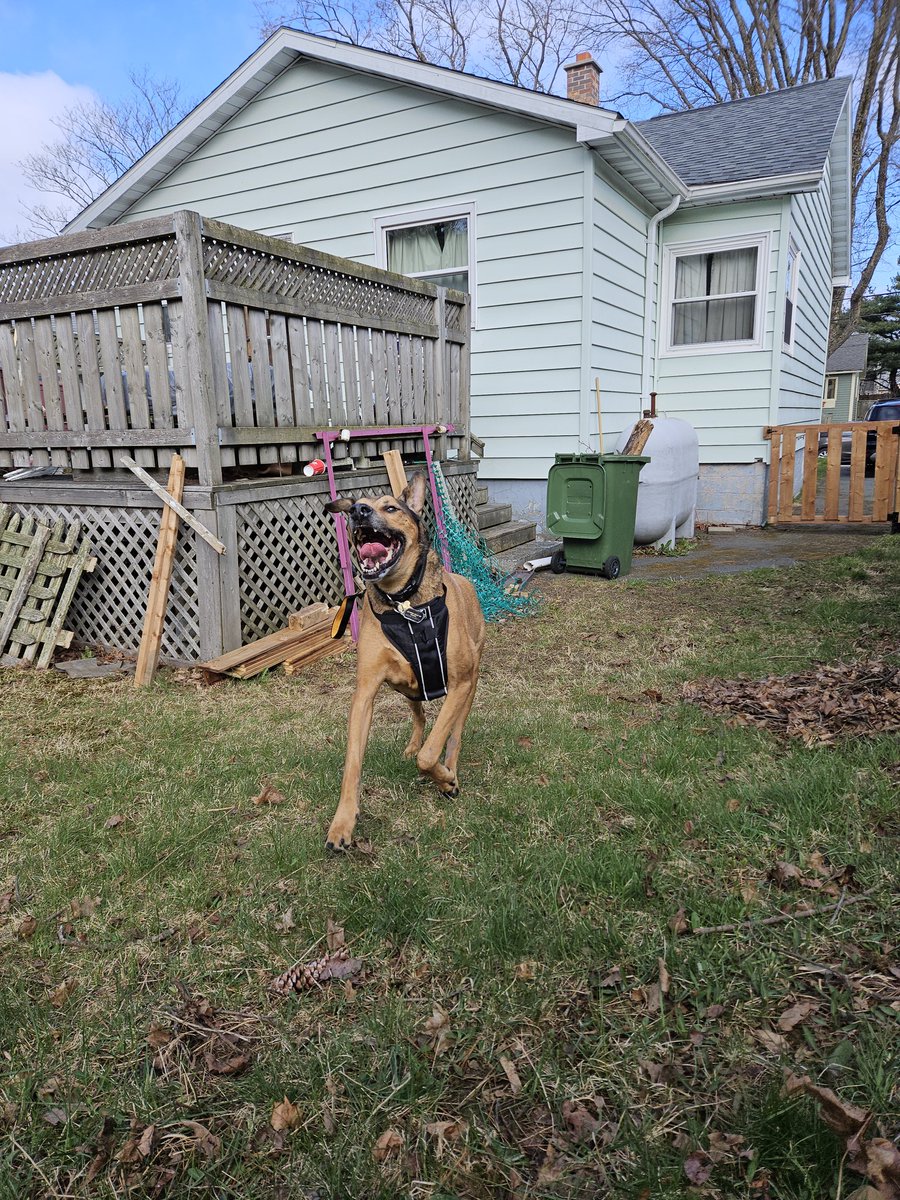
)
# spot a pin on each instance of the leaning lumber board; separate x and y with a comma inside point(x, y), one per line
point(272, 643)
point(274, 658)
point(151, 638)
point(393, 461)
point(334, 646)
point(637, 439)
point(308, 616)
point(174, 503)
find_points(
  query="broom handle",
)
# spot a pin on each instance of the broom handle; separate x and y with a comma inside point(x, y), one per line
point(599, 415)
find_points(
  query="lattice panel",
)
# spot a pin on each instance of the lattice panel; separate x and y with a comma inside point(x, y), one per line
point(455, 316)
point(313, 286)
point(100, 269)
point(109, 606)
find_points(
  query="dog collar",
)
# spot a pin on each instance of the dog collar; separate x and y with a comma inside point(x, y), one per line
point(399, 599)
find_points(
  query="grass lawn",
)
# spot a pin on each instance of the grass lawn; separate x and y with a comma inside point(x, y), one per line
point(529, 1020)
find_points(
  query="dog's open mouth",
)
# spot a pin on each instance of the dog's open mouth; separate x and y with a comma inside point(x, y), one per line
point(377, 551)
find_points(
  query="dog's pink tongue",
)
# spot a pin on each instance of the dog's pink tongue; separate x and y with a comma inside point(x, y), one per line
point(373, 551)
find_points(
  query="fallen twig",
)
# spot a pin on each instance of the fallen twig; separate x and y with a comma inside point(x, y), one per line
point(794, 916)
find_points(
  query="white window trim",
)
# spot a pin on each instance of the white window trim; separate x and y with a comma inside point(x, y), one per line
point(793, 248)
point(426, 216)
point(677, 250)
point(830, 401)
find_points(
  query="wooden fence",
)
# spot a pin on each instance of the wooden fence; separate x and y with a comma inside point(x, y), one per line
point(184, 334)
point(847, 472)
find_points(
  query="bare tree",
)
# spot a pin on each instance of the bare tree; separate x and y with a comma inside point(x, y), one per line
point(524, 42)
point(689, 53)
point(98, 143)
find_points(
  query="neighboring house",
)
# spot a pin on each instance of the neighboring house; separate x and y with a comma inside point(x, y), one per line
point(844, 370)
point(692, 255)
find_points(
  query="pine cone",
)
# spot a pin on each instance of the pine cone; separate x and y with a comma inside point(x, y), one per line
point(311, 974)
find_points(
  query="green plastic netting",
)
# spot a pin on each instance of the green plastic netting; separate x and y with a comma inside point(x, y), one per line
point(499, 595)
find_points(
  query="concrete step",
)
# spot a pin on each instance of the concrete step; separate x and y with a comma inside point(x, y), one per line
point(506, 536)
point(492, 514)
point(481, 493)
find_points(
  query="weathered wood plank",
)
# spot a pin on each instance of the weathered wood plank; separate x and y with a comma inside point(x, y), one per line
point(151, 638)
point(810, 476)
point(321, 411)
point(264, 406)
point(162, 400)
point(299, 362)
point(135, 378)
point(240, 375)
point(45, 348)
point(857, 475)
point(786, 476)
point(886, 445)
point(70, 381)
point(31, 388)
point(90, 239)
point(219, 358)
point(112, 370)
point(774, 466)
point(88, 300)
point(281, 380)
point(13, 396)
point(833, 477)
point(90, 379)
point(23, 580)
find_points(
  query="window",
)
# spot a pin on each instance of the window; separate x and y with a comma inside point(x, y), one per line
point(436, 244)
point(715, 295)
point(790, 294)
point(830, 391)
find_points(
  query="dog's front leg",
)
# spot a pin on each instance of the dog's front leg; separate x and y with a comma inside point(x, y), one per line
point(340, 833)
point(452, 717)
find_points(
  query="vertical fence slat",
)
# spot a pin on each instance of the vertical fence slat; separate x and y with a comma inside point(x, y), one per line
point(31, 387)
point(264, 407)
point(12, 391)
point(162, 397)
point(810, 474)
point(774, 471)
point(112, 369)
point(281, 380)
point(321, 413)
point(240, 376)
point(45, 349)
point(184, 413)
point(70, 382)
point(221, 390)
point(886, 445)
point(856, 510)
point(135, 378)
point(90, 379)
point(296, 330)
point(336, 398)
point(833, 476)
point(786, 475)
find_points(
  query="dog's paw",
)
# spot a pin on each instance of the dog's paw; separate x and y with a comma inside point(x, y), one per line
point(450, 790)
point(339, 837)
point(412, 749)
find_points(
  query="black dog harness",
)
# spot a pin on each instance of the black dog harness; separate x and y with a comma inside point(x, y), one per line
point(420, 634)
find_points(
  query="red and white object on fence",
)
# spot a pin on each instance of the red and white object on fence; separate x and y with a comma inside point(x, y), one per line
point(316, 467)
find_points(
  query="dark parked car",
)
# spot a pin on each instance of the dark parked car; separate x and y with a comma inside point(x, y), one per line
point(882, 410)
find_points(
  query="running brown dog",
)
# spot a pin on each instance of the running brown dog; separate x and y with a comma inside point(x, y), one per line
point(414, 612)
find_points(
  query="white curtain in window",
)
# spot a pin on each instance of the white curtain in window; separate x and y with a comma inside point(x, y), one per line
point(710, 275)
point(443, 246)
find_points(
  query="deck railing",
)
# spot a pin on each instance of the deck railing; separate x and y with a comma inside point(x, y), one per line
point(184, 334)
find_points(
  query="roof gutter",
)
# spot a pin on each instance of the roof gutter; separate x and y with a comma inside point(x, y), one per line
point(753, 189)
point(651, 288)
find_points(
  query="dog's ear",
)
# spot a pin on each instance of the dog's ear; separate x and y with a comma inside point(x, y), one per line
point(413, 495)
point(342, 504)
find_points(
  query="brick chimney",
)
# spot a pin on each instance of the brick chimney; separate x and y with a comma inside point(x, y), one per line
point(583, 80)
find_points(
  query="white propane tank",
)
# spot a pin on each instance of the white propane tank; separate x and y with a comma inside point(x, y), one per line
point(667, 491)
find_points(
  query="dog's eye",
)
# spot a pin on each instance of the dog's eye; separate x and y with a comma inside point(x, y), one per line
point(389, 508)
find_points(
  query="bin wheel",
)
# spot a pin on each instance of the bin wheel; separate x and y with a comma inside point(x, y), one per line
point(611, 568)
point(558, 562)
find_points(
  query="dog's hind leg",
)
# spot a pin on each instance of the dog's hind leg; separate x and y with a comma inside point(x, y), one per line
point(416, 737)
point(340, 833)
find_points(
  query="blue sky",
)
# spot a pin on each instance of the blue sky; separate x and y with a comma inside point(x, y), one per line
point(56, 53)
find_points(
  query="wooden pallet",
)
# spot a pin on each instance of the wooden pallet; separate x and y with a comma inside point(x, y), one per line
point(40, 568)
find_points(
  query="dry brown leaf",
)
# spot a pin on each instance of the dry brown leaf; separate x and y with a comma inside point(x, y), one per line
point(203, 1140)
point(774, 1042)
point(268, 795)
point(679, 923)
point(582, 1123)
point(698, 1167)
point(147, 1142)
point(114, 822)
point(158, 1037)
point(55, 1116)
point(229, 1065)
point(664, 979)
point(526, 970)
point(713, 1011)
point(796, 1014)
point(334, 936)
point(846, 1120)
point(437, 1030)
point(285, 1115)
point(59, 995)
point(445, 1133)
point(26, 927)
point(725, 1147)
point(732, 805)
point(285, 923)
point(509, 1070)
point(525, 742)
point(388, 1144)
point(818, 864)
point(85, 907)
point(612, 980)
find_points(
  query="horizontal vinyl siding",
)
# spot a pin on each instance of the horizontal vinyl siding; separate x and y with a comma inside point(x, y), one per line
point(323, 150)
point(803, 369)
point(726, 396)
point(617, 309)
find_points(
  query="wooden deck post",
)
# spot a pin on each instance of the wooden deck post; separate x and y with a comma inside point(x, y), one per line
point(189, 250)
point(464, 384)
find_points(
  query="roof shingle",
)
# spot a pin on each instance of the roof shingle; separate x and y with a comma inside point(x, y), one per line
point(779, 133)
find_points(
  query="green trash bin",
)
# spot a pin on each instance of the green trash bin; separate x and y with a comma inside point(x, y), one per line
point(591, 505)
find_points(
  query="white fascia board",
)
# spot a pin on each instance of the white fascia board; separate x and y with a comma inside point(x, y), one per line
point(842, 237)
point(753, 189)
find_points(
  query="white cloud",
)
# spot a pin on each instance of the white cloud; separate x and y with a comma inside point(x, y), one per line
point(28, 104)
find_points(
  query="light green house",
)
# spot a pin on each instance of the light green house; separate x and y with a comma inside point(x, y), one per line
point(843, 374)
point(691, 255)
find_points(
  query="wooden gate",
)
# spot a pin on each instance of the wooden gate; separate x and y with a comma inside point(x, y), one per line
point(844, 472)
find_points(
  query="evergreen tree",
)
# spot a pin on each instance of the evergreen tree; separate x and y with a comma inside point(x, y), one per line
point(880, 318)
